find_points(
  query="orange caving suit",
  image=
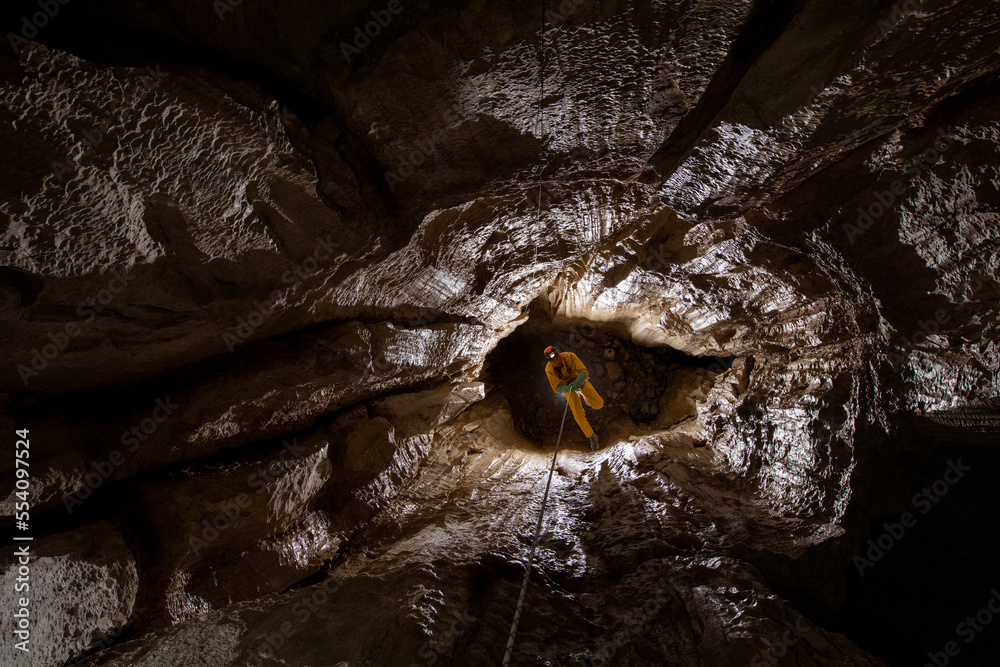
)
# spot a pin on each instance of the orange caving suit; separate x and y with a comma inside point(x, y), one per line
point(570, 369)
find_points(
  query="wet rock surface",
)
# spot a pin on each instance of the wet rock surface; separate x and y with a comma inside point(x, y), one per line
point(274, 310)
point(613, 560)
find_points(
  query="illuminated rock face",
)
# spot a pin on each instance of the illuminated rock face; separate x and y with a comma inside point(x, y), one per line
point(274, 291)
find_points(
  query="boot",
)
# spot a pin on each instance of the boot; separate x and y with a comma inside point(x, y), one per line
point(593, 443)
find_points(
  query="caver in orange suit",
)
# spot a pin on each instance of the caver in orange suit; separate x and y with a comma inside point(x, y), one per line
point(568, 376)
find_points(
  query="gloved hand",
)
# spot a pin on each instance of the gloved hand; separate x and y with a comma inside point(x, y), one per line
point(577, 384)
point(563, 389)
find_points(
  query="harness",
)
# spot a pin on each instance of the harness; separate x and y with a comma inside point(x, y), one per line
point(564, 372)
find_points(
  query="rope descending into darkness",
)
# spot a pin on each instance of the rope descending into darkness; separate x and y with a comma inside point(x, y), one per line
point(534, 545)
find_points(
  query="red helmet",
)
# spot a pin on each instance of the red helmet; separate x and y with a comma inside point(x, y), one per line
point(551, 352)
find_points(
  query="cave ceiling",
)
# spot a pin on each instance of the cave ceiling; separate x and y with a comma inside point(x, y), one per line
point(275, 279)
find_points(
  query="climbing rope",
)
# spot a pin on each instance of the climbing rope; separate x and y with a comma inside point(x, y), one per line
point(534, 545)
point(538, 216)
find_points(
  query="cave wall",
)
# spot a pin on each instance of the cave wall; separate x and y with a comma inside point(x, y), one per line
point(309, 254)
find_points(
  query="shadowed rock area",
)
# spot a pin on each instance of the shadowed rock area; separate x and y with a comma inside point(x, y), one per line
point(275, 279)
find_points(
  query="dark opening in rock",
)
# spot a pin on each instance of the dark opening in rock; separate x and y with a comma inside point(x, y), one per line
point(639, 385)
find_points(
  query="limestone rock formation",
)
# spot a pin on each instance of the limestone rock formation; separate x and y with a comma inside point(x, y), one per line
point(275, 279)
point(82, 585)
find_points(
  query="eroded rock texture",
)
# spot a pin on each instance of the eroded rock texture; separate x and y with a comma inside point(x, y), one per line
point(83, 583)
point(276, 277)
